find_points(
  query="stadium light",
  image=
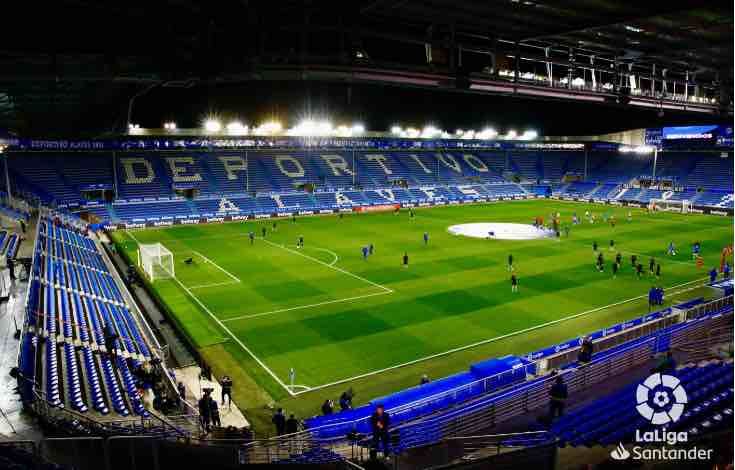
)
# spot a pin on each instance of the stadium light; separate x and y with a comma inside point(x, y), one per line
point(412, 133)
point(396, 130)
point(358, 129)
point(237, 128)
point(529, 135)
point(487, 134)
point(343, 131)
point(640, 149)
point(511, 135)
point(268, 128)
point(212, 125)
point(469, 134)
point(169, 126)
point(430, 131)
point(309, 128)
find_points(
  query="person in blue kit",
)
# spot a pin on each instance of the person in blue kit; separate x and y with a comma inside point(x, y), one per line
point(713, 275)
point(426, 238)
point(726, 271)
point(365, 251)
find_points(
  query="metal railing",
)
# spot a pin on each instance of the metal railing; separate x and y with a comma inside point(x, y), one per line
point(472, 447)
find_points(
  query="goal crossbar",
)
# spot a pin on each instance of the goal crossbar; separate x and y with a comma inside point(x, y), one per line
point(156, 261)
point(682, 206)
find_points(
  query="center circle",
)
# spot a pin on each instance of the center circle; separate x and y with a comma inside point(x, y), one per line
point(501, 231)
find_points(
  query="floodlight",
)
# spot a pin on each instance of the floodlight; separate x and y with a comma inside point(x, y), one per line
point(269, 127)
point(511, 135)
point(430, 131)
point(358, 129)
point(412, 132)
point(236, 127)
point(212, 125)
point(171, 126)
point(487, 134)
point(529, 135)
point(396, 130)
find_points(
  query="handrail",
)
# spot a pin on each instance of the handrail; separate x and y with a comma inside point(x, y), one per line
point(486, 436)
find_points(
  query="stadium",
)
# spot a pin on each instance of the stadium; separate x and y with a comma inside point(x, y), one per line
point(379, 234)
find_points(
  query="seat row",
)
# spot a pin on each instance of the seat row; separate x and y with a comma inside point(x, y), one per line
point(74, 304)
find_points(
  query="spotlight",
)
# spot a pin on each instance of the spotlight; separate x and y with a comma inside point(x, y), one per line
point(268, 128)
point(430, 131)
point(529, 135)
point(487, 134)
point(412, 133)
point(212, 125)
point(358, 129)
point(396, 130)
point(170, 126)
point(236, 128)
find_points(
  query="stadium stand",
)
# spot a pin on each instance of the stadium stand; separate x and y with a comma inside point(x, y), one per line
point(73, 305)
point(224, 183)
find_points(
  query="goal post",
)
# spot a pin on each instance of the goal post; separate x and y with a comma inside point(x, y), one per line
point(156, 261)
point(682, 206)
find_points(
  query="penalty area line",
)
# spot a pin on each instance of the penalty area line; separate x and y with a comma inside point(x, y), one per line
point(331, 266)
point(232, 276)
point(497, 338)
point(235, 338)
point(229, 332)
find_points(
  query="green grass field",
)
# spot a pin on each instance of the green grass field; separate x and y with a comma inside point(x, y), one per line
point(333, 317)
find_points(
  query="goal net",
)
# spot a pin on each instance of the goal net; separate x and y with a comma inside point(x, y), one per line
point(157, 261)
point(673, 206)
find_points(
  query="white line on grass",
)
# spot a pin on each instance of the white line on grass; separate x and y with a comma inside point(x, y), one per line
point(299, 307)
point(336, 258)
point(229, 332)
point(283, 247)
point(232, 276)
point(213, 284)
point(492, 340)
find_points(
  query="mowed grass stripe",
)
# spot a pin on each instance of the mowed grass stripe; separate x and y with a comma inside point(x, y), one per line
point(456, 290)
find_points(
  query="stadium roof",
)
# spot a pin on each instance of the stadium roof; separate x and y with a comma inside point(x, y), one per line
point(77, 64)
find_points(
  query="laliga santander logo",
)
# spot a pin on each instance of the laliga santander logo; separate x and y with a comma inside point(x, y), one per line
point(620, 452)
point(661, 399)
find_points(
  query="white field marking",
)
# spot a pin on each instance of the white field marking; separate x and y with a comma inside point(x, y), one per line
point(213, 284)
point(229, 332)
point(299, 307)
point(491, 340)
point(283, 247)
point(232, 276)
point(336, 257)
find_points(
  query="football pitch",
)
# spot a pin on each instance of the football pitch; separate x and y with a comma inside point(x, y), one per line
point(269, 307)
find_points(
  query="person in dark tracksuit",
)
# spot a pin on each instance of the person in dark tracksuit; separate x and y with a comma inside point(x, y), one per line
point(380, 424)
point(558, 395)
